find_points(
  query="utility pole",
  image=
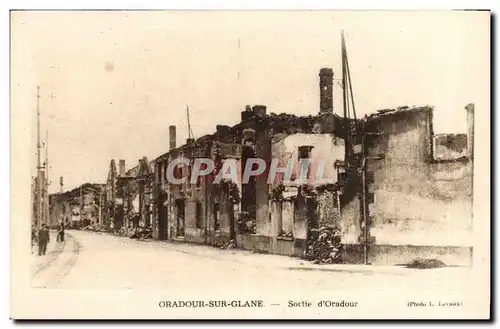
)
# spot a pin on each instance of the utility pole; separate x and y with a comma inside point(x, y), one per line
point(100, 207)
point(190, 131)
point(81, 207)
point(47, 179)
point(357, 156)
point(61, 183)
point(39, 165)
point(33, 198)
point(239, 45)
point(364, 203)
point(344, 99)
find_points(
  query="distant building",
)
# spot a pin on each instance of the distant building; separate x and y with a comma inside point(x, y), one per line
point(77, 208)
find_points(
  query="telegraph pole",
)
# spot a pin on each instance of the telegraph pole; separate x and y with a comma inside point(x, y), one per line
point(39, 165)
point(47, 180)
point(357, 156)
point(81, 207)
point(100, 207)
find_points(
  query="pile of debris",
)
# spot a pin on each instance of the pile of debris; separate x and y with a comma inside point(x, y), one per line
point(246, 223)
point(139, 232)
point(420, 263)
point(224, 244)
point(125, 231)
point(325, 247)
point(142, 233)
point(94, 228)
point(287, 234)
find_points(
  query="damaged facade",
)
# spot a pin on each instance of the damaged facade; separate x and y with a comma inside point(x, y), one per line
point(274, 218)
point(77, 208)
point(413, 200)
point(128, 201)
point(422, 191)
point(257, 215)
point(136, 192)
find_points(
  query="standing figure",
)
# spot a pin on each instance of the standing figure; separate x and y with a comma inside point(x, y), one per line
point(60, 232)
point(43, 240)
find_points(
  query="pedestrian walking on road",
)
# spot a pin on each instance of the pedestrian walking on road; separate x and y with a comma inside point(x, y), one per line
point(60, 232)
point(43, 240)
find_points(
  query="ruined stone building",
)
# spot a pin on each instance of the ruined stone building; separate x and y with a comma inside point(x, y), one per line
point(422, 190)
point(128, 199)
point(78, 207)
point(257, 215)
point(415, 200)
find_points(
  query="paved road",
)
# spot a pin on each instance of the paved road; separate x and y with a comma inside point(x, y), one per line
point(89, 260)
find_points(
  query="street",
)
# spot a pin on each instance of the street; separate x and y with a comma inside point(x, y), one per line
point(88, 260)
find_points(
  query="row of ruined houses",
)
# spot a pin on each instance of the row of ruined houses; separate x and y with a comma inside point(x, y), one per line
point(421, 186)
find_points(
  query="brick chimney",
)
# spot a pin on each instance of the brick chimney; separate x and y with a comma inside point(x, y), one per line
point(247, 114)
point(172, 137)
point(223, 130)
point(121, 166)
point(260, 110)
point(326, 90)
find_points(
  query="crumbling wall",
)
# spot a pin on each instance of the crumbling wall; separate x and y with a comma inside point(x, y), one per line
point(60, 209)
point(418, 201)
point(195, 224)
point(263, 150)
point(223, 197)
point(287, 210)
point(328, 209)
point(68, 206)
point(195, 220)
point(294, 216)
point(300, 216)
point(131, 203)
point(226, 213)
point(449, 147)
point(326, 149)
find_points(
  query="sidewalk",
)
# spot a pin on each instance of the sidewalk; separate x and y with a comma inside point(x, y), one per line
point(259, 260)
point(53, 248)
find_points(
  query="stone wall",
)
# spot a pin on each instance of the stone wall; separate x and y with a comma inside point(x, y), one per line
point(326, 150)
point(449, 147)
point(67, 206)
point(419, 199)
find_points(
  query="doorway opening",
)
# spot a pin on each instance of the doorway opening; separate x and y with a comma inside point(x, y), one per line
point(180, 205)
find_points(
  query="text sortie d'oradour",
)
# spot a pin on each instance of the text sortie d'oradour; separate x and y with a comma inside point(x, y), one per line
point(249, 303)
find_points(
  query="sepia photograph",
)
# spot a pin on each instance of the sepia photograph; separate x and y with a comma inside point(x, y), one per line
point(250, 164)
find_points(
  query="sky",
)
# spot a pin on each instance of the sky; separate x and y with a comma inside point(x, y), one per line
point(111, 83)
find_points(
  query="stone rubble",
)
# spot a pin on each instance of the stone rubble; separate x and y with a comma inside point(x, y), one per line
point(326, 247)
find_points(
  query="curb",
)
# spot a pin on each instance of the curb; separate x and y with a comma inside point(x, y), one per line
point(366, 271)
point(369, 269)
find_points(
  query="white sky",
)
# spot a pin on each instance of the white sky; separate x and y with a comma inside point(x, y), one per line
point(119, 79)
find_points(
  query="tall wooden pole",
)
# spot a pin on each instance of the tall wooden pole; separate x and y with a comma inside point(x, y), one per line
point(364, 204)
point(81, 207)
point(47, 179)
point(39, 165)
point(351, 138)
point(347, 124)
point(100, 208)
